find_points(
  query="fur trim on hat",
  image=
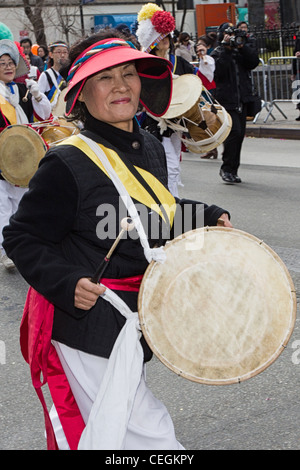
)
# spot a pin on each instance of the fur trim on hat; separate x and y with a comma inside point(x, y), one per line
point(154, 24)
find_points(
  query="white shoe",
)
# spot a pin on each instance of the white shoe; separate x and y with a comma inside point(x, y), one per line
point(7, 262)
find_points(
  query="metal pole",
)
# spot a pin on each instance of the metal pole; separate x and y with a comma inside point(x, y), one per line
point(81, 18)
point(281, 7)
point(173, 8)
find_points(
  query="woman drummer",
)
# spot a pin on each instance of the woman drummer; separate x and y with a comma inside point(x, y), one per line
point(19, 104)
point(67, 223)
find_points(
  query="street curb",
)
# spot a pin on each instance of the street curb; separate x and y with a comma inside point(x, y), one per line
point(275, 133)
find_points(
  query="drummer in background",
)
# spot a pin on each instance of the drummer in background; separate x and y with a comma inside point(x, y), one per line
point(77, 210)
point(154, 33)
point(51, 82)
point(15, 108)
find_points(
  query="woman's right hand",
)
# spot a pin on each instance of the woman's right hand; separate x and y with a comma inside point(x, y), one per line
point(87, 293)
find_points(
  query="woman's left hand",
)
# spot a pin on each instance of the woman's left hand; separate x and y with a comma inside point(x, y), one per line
point(226, 222)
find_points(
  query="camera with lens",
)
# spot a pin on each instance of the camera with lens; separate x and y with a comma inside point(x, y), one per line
point(237, 37)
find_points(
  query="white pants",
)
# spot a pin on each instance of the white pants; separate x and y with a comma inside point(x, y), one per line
point(10, 197)
point(150, 426)
point(172, 146)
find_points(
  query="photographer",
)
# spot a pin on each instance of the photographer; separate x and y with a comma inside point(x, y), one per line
point(234, 59)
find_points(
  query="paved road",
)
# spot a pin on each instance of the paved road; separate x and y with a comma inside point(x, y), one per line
point(262, 413)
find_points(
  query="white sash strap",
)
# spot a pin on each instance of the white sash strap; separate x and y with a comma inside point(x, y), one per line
point(108, 420)
point(156, 254)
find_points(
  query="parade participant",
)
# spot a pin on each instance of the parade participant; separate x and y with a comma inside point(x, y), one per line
point(154, 34)
point(14, 109)
point(51, 82)
point(66, 224)
point(234, 62)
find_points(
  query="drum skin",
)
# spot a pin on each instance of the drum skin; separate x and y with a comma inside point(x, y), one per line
point(220, 309)
point(21, 149)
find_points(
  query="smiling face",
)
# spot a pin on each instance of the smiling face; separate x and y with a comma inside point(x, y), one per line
point(7, 68)
point(112, 95)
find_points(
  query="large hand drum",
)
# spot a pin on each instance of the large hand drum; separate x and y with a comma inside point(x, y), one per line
point(21, 149)
point(220, 309)
point(203, 124)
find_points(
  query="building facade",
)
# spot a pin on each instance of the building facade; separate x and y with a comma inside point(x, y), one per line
point(67, 20)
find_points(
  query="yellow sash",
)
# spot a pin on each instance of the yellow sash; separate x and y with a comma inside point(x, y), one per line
point(8, 110)
point(135, 189)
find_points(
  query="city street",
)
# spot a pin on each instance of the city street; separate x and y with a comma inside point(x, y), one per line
point(261, 413)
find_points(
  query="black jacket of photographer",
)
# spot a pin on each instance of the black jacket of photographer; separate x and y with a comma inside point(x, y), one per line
point(233, 74)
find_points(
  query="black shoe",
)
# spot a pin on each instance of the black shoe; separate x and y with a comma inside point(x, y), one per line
point(237, 179)
point(227, 177)
point(298, 118)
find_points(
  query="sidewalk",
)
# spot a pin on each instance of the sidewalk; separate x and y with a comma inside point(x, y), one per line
point(280, 127)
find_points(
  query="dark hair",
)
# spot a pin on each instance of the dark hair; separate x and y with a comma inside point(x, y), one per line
point(79, 112)
point(242, 22)
point(26, 40)
point(204, 39)
point(45, 49)
point(183, 36)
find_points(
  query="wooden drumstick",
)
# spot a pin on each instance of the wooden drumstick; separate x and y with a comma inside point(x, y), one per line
point(127, 225)
point(25, 99)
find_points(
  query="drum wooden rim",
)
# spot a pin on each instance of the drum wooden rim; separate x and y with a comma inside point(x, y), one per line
point(269, 342)
point(21, 149)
